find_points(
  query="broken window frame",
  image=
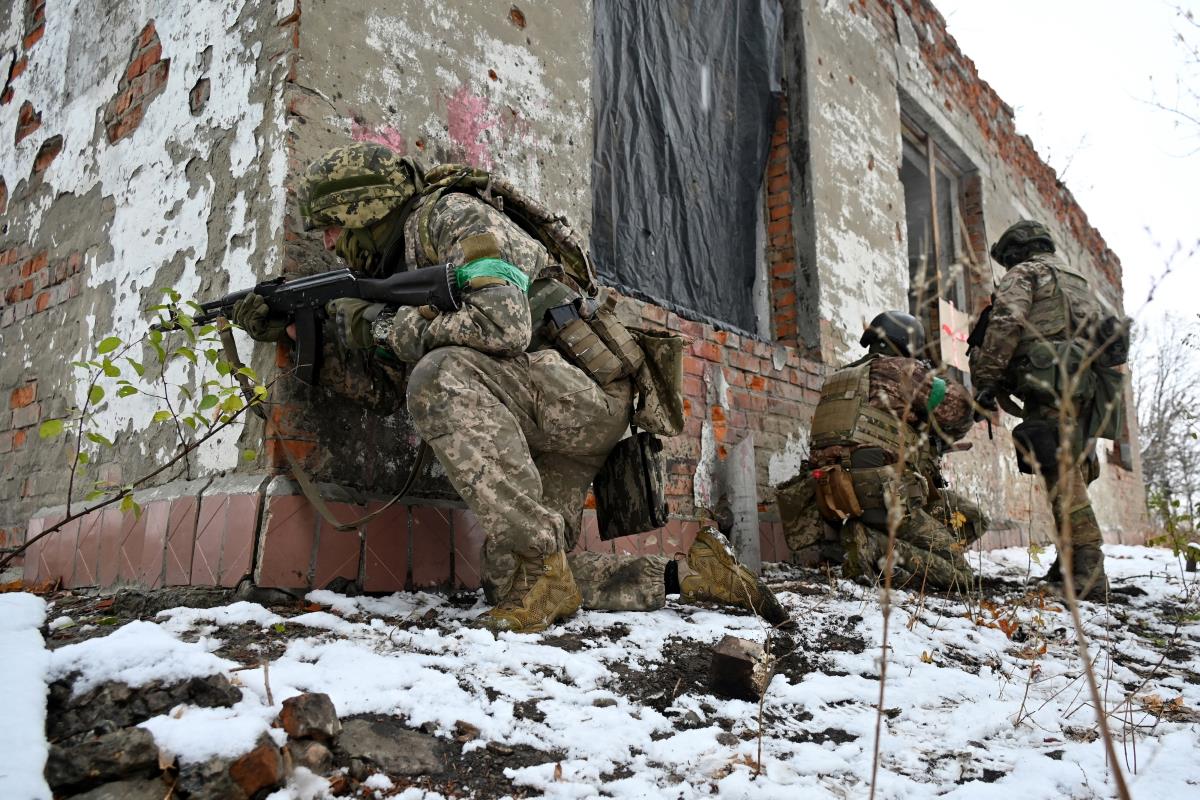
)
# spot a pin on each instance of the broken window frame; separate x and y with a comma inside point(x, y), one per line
point(953, 258)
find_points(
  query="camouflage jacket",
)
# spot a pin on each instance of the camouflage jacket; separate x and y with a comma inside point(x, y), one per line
point(1010, 322)
point(495, 320)
point(901, 387)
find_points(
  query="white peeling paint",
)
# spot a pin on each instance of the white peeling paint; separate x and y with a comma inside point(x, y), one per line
point(144, 174)
point(785, 463)
point(704, 480)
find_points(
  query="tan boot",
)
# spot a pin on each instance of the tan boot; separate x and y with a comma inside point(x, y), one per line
point(542, 592)
point(711, 572)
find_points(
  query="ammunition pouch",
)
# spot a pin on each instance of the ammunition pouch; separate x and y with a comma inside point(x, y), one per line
point(1036, 443)
point(630, 488)
point(796, 499)
point(593, 339)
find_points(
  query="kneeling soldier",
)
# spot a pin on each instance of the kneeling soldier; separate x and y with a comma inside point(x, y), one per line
point(520, 428)
point(877, 435)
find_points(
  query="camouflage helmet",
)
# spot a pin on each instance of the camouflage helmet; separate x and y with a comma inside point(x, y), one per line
point(1018, 235)
point(904, 331)
point(356, 186)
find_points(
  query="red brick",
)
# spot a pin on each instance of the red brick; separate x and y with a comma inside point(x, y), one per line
point(17, 68)
point(693, 366)
point(780, 212)
point(33, 37)
point(23, 395)
point(42, 302)
point(780, 183)
point(147, 36)
point(779, 226)
point(706, 350)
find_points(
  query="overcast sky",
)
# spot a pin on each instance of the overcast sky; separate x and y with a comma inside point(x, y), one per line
point(1081, 76)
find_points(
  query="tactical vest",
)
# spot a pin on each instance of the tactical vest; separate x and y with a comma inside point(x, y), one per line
point(845, 415)
point(1064, 308)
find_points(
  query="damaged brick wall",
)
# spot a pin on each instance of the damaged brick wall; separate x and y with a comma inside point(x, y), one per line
point(114, 183)
point(505, 88)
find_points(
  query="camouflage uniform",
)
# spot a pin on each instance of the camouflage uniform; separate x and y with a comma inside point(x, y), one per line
point(935, 525)
point(519, 431)
point(1028, 295)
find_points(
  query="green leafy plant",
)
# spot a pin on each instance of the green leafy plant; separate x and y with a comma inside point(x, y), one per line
point(198, 387)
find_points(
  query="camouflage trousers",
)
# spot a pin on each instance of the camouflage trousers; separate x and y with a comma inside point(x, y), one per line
point(1068, 488)
point(929, 546)
point(520, 440)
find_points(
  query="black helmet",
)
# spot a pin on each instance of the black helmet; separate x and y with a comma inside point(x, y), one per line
point(903, 331)
point(1012, 246)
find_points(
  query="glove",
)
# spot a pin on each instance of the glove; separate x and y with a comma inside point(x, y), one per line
point(985, 400)
point(352, 319)
point(253, 315)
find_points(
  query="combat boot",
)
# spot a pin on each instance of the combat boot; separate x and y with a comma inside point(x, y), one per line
point(1087, 572)
point(542, 592)
point(711, 572)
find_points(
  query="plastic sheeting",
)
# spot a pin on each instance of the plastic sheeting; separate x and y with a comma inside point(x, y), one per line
point(684, 99)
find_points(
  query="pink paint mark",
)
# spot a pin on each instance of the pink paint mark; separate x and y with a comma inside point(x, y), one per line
point(385, 135)
point(468, 118)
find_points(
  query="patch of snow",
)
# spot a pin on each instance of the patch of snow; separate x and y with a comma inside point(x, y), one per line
point(378, 781)
point(60, 622)
point(971, 713)
point(135, 654)
point(23, 746)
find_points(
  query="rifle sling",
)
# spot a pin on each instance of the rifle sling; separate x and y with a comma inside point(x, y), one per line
point(307, 486)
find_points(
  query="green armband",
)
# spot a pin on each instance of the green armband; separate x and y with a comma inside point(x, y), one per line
point(937, 393)
point(492, 268)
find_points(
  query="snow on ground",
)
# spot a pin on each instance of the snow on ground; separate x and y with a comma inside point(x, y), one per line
point(983, 697)
point(23, 665)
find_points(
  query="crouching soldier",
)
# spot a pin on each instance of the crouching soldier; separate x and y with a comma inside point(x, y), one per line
point(520, 411)
point(877, 436)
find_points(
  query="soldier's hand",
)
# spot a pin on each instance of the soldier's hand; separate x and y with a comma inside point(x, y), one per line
point(352, 321)
point(254, 316)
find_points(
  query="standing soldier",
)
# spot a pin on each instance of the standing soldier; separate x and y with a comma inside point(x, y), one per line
point(1049, 343)
point(876, 438)
point(520, 428)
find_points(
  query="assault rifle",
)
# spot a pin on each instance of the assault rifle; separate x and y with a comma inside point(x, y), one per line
point(303, 300)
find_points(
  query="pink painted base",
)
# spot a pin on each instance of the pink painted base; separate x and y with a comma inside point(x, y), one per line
point(280, 541)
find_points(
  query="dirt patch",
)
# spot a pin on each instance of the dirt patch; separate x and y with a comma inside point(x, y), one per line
point(682, 670)
point(574, 641)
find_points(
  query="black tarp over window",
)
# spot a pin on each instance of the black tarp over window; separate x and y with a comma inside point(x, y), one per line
point(683, 96)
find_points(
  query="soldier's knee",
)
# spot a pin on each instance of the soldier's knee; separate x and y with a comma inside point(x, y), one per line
point(430, 385)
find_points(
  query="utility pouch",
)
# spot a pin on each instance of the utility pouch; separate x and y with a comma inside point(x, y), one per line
point(797, 501)
point(1053, 367)
point(630, 488)
point(836, 499)
point(1112, 338)
point(574, 338)
point(659, 383)
point(1106, 413)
